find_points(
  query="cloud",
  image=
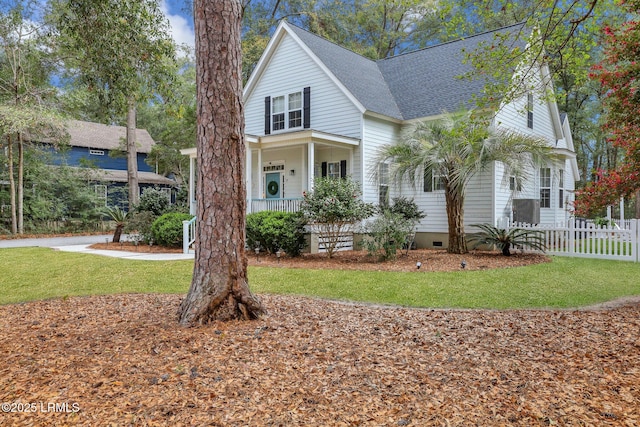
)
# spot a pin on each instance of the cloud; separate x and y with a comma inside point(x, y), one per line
point(181, 28)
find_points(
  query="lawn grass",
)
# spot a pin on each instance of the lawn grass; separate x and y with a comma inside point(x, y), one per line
point(40, 273)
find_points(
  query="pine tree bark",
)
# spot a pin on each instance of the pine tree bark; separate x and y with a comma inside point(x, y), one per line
point(219, 287)
point(12, 186)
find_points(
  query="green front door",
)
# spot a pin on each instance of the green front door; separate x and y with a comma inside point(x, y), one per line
point(272, 185)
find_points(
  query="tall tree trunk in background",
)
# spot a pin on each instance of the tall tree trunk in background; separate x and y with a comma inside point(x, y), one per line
point(20, 184)
point(132, 155)
point(219, 287)
point(637, 204)
point(12, 186)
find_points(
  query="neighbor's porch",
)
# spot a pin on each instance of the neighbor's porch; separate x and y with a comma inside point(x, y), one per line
point(282, 167)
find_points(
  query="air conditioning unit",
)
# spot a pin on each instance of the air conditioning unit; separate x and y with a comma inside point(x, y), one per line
point(526, 211)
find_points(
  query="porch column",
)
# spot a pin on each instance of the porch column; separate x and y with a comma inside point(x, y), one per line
point(192, 185)
point(311, 160)
point(260, 194)
point(247, 171)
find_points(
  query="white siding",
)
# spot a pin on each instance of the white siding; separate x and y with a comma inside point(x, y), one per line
point(290, 70)
point(376, 133)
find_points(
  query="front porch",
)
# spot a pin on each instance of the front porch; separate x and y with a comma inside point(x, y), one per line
point(282, 167)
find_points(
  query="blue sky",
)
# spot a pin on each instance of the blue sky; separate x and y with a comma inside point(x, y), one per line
point(181, 21)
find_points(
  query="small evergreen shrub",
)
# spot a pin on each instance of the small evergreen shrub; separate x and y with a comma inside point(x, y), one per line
point(153, 200)
point(388, 233)
point(272, 231)
point(140, 224)
point(167, 229)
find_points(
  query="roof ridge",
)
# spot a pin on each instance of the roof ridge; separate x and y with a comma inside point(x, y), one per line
point(459, 39)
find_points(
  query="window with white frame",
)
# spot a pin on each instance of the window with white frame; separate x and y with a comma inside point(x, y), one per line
point(561, 188)
point(277, 113)
point(530, 110)
point(295, 110)
point(432, 182)
point(101, 194)
point(286, 111)
point(333, 169)
point(383, 184)
point(94, 152)
point(545, 187)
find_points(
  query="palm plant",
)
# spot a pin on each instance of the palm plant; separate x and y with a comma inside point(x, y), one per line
point(456, 148)
point(506, 239)
point(118, 216)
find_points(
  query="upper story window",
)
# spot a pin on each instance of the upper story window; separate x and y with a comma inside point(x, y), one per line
point(545, 187)
point(96, 152)
point(515, 184)
point(286, 111)
point(290, 111)
point(530, 110)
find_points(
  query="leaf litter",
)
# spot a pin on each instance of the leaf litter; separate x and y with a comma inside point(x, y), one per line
point(124, 360)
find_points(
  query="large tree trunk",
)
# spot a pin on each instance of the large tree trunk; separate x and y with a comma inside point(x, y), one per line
point(637, 204)
point(12, 186)
point(219, 288)
point(455, 217)
point(132, 155)
point(20, 184)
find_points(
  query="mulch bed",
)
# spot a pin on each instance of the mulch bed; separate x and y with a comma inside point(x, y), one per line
point(430, 259)
point(123, 360)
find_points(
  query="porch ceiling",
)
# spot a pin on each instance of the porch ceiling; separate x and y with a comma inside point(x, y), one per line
point(301, 137)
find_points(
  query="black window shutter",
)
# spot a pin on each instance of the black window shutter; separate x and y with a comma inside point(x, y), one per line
point(343, 168)
point(306, 118)
point(267, 115)
point(324, 169)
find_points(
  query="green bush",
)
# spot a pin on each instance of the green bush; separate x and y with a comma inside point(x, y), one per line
point(276, 230)
point(140, 224)
point(153, 200)
point(167, 229)
point(388, 233)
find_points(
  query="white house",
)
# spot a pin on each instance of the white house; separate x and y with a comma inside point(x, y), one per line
point(313, 108)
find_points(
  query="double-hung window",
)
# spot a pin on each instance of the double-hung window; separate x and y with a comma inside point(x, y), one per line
point(295, 110)
point(277, 113)
point(432, 182)
point(286, 111)
point(545, 187)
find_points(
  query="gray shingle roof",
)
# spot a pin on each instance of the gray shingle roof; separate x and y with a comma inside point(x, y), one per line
point(97, 135)
point(413, 85)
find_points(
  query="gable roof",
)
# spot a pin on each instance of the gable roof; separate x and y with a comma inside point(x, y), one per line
point(106, 137)
point(413, 85)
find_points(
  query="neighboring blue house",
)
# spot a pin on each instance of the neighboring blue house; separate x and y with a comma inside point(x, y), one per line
point(101, 147)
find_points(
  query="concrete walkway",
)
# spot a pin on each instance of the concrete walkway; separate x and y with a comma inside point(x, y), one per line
point(81, 244)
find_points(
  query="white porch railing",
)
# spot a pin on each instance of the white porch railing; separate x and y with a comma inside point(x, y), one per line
point(280, 205)
point(188, 234)
point(585, 239)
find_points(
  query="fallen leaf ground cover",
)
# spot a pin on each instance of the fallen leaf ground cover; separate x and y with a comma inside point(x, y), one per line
point(123, 360)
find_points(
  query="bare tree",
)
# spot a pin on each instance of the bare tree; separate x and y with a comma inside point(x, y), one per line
point(219, 288)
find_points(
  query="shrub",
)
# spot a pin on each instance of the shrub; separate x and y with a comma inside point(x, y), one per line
point(387, 233)
point(276, 230)
point(504, 240)
point(407, 208)
point(140, 223)
point(334, 208)
point(153, 200)
point(167, 229)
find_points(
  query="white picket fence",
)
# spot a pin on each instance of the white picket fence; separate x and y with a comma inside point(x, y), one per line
point(579, 238)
